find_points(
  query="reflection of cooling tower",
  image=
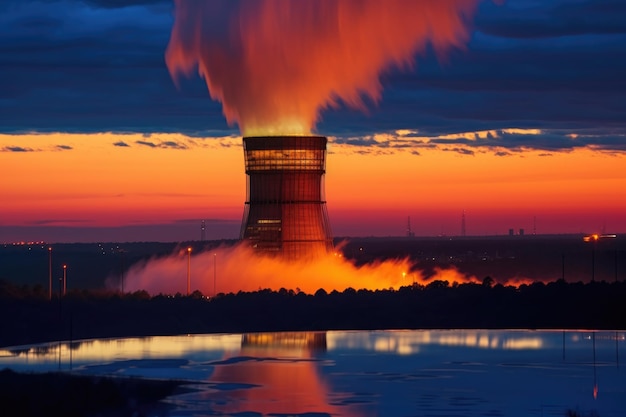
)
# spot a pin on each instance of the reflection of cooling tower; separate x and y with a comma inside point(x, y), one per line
point(309, 341)
point(285, 211)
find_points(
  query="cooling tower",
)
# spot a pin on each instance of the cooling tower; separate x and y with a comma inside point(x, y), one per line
point(285, 211)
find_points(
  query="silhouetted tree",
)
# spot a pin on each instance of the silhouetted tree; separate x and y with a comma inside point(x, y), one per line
point(488, 281)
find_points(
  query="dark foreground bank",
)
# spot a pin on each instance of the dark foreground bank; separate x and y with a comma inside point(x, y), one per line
point(28, 317)
point(58, 394)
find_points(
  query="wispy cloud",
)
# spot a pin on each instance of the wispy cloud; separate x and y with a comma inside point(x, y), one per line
point(146, 143)
point(462, 151)
point(502, 142)
point(17, 149)
point(172, 145)
point(163, 145)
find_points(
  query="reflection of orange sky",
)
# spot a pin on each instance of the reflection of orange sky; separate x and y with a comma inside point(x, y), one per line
point(99, 184)
point(290, 385)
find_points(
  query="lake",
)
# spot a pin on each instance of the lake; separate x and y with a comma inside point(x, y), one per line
point(362, 373)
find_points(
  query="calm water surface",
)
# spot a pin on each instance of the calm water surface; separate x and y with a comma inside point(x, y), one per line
point(363, 373)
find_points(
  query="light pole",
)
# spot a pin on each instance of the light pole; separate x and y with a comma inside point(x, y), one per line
point(188, 269)
point(594, 241)
point(121, 252)
point(593, 258)
point(49, 272)
point(214, 273)
point(64, 279)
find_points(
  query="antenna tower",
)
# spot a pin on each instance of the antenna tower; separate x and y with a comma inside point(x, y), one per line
point(409, 232)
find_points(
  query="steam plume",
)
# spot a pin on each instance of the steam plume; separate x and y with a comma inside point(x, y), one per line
point(239, 268)
point(275, 64)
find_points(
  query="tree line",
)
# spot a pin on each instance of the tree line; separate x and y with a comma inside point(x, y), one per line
point(28, 316)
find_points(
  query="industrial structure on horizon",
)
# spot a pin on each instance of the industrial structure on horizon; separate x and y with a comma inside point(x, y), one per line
point(285, 211)
point(202, 231)
point(409, 231)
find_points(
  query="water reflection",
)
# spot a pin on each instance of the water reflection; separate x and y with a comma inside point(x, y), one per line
point(399, 342)
point(44, 357)
point(410, 342)
point(362, 373)
point(272, 374)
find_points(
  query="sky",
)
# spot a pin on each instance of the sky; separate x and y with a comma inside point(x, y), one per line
point(522, 126)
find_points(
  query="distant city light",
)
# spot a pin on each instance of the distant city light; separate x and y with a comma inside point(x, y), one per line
point(595, 237)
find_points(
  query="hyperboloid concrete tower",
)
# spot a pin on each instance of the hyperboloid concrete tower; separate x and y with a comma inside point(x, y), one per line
point(285, 211)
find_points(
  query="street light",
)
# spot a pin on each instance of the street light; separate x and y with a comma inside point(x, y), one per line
point(214, 273)
point(188, 269)
point(49, 272)
point(594, 239)
point(64, 279)
point(121, 252)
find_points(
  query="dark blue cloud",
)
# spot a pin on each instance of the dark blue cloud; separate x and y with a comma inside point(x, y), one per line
point(501, 142)
point(98, 65)
point(172, 145)
point(119, 4)
point(462, 151)
point(17, 149)
point(146, 143)
point(163, 144)
point(551, 19)
point(121, 144)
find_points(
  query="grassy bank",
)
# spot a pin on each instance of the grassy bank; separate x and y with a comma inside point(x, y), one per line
point(59, 394)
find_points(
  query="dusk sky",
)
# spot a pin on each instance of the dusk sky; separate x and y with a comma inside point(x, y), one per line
point(521, 125)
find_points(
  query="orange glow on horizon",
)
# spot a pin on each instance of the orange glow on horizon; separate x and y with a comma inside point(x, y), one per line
point(97, 184)
point(448, 180)
point(274, 64)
